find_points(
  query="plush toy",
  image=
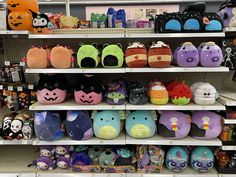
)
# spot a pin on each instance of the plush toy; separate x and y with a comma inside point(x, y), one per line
point(158, 93)
point(177, 159)
point(16, 128)
point(63, 150)
point(81, 158)
point(136, 55)
point(107, 158)
point(215, 23)
point(51, 89)
point(64, 162)
point(61, 57)
point(45, 163)
point(79, 125)
point(192, 20)
point(94, 153)
point(159, 55)
point(174, 125)
point(112, 56)
point(223, 158)
point(202, 159)
point(116, 93)
point(206, 125)
point(47, 126)
point(23, 5)
point(210, 54)
point(227, 13)
point(179, 93)
point(186, 55)
point(28, 130)
point(124, 157)
point(141, 124)
point(204, 93)
point(107, 124)
point(41, 24)
point(68, 22)
point(88, 56)
point(89, 90)
point(20, 20)
point(6, 125)
point(137, 93)
point(47, 151)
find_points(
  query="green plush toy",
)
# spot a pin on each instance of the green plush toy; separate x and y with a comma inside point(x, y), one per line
point(112, 56)
point(88, 56)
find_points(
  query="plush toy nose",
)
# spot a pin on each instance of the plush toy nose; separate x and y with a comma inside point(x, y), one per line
point(215, 59)
point(190, 59)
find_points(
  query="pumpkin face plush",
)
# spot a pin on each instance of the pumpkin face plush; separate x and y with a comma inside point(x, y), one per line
point(51, 89)
point(23, 5)
point(20, 20)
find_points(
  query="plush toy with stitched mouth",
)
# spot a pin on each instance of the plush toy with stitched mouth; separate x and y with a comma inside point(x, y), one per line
point(89, 90)
point(51, 89)
point(20, 20)
point(23, 5)
point(112, 56)
point(88, 56)
point(41, 24)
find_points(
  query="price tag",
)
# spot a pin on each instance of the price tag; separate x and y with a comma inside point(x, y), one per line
point(7, 63)
point(10, 88)
point(1, 87)
point(24, 142)
point(22, 63)
point(19, 89)
point(31, 87)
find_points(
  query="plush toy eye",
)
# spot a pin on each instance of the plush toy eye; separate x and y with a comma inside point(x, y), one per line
point(183, 48)
point(19, 17)
point(183, 165)
point(198, 164)
point(208, 48)
point(10, 17)
point(205, 94)
point(54, 93)
point(92, 88)
point(145, 118)
point(133, 118)
point(112, 118)
point(101, 119)
point(71, 134)
point(210, 165)
point(209, 94)
point(56, 84)
point(172, 164)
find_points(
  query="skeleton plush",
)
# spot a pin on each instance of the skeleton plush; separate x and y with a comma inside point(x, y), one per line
point(16, 129)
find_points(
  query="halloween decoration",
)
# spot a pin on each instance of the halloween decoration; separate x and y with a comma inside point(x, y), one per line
point(64, 162)
point(159, 55)
point(112, 56)
point(94, 153)
point(42, 24)
point(107, 158)
point(28, 130)
point(177, 159)
point(215, 23)
point(223, 158)
point(206, 125)
point(174, 125)
point(141, 124)
point(89, 90)
point(51, 89)
point(81, 158)
point(68, 22)
point(45, 163)
point(61, 57)
point(20, 20)
point(124, 157)
point(6, 125)
point(136, 55)
point(202, 159)
point(23, 5)
point(228, 14)
point(63, 150)
point(79, 125)
point(47, 151)
point(16, 128)
point(88, 56)
point(107, 124)
point(47, 126)
point(116, 93)
point(186, 55)
point(137, 93)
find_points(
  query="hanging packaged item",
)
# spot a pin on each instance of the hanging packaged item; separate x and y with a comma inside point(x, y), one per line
point(98, 20)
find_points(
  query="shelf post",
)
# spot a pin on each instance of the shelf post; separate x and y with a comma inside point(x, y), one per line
point(67, 8)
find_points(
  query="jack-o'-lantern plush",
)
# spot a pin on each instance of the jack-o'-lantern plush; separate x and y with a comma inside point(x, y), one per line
point(42, 24)
point(23, 5)
point(20, 20)
point(51, 89)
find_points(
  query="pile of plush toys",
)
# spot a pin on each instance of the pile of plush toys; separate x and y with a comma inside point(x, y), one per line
point(136, 55)
point(81, 125)
point(143, 158)
point(17, 126)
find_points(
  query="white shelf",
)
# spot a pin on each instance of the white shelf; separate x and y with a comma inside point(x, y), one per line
point(16, 142)
point(12, 32)
point(230, 121)
point(226, 175)
point(230, 29)
point(190, 107)
point(229, 148)
point(158, 140)
point(175, 35)
point(120, 140)
point(72, 105)
point(226, 101)
point(76, 70)
point(177, 69)
point(74, 36)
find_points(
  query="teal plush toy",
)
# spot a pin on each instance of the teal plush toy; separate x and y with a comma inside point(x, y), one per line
point(107, 124)
point(141, 124)
point(112, 56)
point(88, 56)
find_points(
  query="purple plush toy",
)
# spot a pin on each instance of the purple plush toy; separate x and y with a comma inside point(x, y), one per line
point(210, 54)
point(64, 162)
point(228, 16)
point(186, 55)
point(63, 150)
point(206, 125)
point(47, 151)
point(45, 163)
point(174, 125)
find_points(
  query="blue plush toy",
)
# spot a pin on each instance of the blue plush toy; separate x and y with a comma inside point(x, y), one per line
point(106, 124)
point(141, 124)
point(79, 125)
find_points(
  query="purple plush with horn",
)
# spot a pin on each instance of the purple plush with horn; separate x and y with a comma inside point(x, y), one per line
point(186, 55)
point(45, 163)
point(47, 151)
point(206, 125)
point(210, 54)
point(174, 125)
point(64, 162)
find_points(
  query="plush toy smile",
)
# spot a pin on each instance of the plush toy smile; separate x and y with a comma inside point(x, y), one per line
point(140, 131)
point(107, 132)
point(16, 24)
point(14, 5)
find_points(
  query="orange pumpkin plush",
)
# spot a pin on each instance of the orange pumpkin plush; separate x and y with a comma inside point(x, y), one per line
point(20, 20)
point(23, 5)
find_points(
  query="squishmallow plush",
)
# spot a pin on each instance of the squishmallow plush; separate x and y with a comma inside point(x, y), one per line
point(94, 152)
point(63, 150)
point(107, 124)
point(16, 128)
point(206, 125)
point(174, 125)
point(38, 57)
point(227, 13)
point(88, 56)
point(89, 90)
point(158, 93)
point(179, 93)
point(6, 124)
point(186, 55)
point(45, 163)
point(20, 20)
point(210, 54)
point(41, 24)
point(81, 158)
point(136, 55)
point(79, 125)
point(51, 89)
point(141, 124)
point(47, 151)
point(48, 126)
point(107, 158)
point(202, 159)
point(61, 57)
point(116, 93)
point(159, 55)
point(124, 157)
point(112, 56)
point(22, 5)
point(64, 162)
point(137, 93)
point(204, 93)
point(177, 159)
point(215, 23)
